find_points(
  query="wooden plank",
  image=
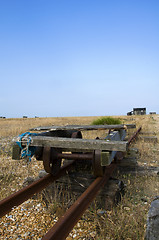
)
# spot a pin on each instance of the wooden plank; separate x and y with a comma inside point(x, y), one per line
point(147, 133)
point(79, 144)
point(16, 151)
point(152, 139)
point(83, 127)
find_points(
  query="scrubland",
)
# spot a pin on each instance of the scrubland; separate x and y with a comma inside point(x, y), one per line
point(125, 221)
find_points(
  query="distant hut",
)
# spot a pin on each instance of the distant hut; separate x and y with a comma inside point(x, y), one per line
point(130, 113)
point(139, 111)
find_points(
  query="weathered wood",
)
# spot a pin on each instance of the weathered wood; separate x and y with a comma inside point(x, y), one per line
point(147, 133)
point(152, 139)
point(83, 127)
point(132, 152)
point(79, 144)
point(16, 152)
point(139, 170)
point(127, 163)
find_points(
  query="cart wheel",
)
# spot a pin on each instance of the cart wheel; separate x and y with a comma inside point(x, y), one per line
point(98, 170)
point(50, 161)
point(77, 134)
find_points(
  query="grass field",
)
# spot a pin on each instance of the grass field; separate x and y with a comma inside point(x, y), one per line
point(123, 222)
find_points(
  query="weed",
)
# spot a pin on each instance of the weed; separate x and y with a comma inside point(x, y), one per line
point(106, 120)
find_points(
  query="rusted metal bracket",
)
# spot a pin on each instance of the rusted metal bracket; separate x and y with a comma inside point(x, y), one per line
point(51, 163)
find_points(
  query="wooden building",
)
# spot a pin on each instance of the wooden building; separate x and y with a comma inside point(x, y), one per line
point(152, 112)
point(139, 111)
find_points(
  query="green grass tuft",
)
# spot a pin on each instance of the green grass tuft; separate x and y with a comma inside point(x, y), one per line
point(106, 121)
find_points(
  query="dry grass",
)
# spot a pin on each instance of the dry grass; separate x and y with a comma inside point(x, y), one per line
point(13, 127)
point(128, 219)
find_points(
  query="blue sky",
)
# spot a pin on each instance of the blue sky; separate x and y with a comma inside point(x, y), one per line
point(78, 58)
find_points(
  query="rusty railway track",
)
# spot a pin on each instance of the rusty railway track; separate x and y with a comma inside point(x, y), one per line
point(66, 223)
point(25, 193)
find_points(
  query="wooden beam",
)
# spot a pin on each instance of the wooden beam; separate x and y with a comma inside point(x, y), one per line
point(83, 127)
point(78, 144)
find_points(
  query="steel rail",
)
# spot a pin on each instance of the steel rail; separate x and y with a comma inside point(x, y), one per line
point(134, 136)
point(120, 155)
point(15, 199)
point(66, 223)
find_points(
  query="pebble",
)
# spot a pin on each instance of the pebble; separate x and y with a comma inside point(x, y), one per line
point(144, 199)
point(93, 234)
point(6, 224)
point(78, 225)
point(101, 212)
point(26, 223)
point(127, 208)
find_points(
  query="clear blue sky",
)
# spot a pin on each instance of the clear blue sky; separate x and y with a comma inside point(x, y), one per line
point(78, 57)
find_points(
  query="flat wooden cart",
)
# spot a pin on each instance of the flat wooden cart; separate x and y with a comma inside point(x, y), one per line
point(53, 144)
